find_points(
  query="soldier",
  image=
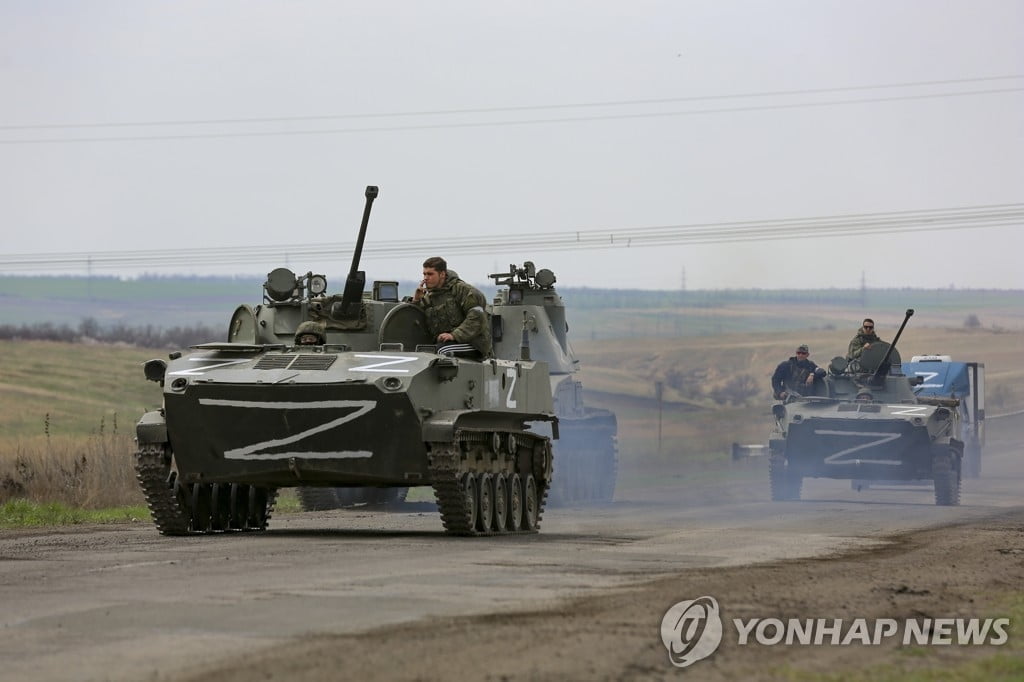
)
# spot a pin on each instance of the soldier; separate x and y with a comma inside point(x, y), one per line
point(796, 374)
point(862, 340)
point(310, 333)
point(455, 310)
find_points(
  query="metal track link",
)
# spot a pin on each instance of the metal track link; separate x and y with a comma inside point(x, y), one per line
point(152, 469)
point(449, 462)
point(171, 503)
point(446, 472)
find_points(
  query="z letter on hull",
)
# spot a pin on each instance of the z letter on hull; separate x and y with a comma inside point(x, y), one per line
point(257, 451)
point(880, 439)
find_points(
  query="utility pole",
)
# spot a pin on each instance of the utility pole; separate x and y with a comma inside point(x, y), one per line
point(659, 389)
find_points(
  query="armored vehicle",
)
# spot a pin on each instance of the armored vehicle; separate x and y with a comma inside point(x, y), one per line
point(371, 404)
point(528, 313)
point(863, 421)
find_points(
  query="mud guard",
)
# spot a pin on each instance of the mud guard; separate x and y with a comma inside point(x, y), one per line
point(152, 428)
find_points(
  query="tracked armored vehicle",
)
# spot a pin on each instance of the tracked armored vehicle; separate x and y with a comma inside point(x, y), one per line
point(529, 313)
point(864, 422)
point(371, 406)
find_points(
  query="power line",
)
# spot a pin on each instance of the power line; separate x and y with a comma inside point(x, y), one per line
point(821, 227)
point(525, 107)
point(503, 123)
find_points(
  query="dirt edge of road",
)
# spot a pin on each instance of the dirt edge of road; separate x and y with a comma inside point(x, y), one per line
point(972, 570)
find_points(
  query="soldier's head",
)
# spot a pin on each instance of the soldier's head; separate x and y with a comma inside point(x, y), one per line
point(802, 351)
point(310, 333)
point(435, 272)
point(868, 325)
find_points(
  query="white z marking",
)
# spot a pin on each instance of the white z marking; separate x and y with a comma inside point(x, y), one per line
point(379, 366)
point(881, 439)
point(254, 451)
point(928, 376)
point(913, 411)
point(201, 370)
point(511, 402)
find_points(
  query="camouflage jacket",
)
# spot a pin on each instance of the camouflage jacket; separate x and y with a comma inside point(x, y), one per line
point(858, 341)
point(792, 375)
point(459, 308)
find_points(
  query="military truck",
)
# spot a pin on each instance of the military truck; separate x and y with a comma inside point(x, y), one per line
point(863, 421)
point(528, 313)
point(375, 405)
point(942, 377)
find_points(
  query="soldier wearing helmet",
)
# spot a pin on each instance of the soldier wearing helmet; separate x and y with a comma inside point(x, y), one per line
point(310, 333)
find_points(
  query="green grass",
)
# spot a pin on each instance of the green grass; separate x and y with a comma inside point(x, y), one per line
point(22, 513)
point(51, 389)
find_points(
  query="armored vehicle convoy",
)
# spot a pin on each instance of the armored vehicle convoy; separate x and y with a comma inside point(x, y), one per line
point(371, 404)
point(864, 422)
point(528, 313)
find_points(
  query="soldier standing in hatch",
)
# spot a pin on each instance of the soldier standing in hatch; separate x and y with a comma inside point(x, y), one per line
point(456, 311)
point(796, 374)
point(310, 333)
point(862, 340)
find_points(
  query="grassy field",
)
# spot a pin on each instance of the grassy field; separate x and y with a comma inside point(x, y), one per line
point(67, 411)
point(58, 389)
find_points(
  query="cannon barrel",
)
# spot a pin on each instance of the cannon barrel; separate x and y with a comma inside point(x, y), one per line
point(356, 282)
point(892, 346)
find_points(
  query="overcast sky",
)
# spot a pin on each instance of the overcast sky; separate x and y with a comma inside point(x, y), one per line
point(248, 123)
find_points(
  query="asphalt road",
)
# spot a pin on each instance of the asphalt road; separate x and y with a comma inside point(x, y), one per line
point(124, 603)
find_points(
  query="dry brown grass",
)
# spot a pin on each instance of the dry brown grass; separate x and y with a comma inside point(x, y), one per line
point(91, 472)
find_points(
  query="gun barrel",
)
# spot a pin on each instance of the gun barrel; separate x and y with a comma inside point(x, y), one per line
point(892, 346)
point(356, 281)
point(371, 194)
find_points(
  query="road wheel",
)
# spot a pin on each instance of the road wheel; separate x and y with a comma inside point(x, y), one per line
point(201, 507)
point(317, 499)
point(220, 506)
point(257, 518)
point(946, 474)
point(972, 460)
point(485, 512)
point(514, 519)
point(500, 499)
point(239, 497)
point(469, 489)
point(785, 483)
point(531, 504)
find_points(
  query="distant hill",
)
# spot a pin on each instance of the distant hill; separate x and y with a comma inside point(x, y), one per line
point(172, 301)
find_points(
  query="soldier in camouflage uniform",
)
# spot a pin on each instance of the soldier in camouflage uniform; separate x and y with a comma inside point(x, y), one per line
point(863, 339)
point(456, 311)
point(796, 374)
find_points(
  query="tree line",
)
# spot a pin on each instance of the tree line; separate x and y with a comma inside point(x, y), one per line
point(89, 330)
